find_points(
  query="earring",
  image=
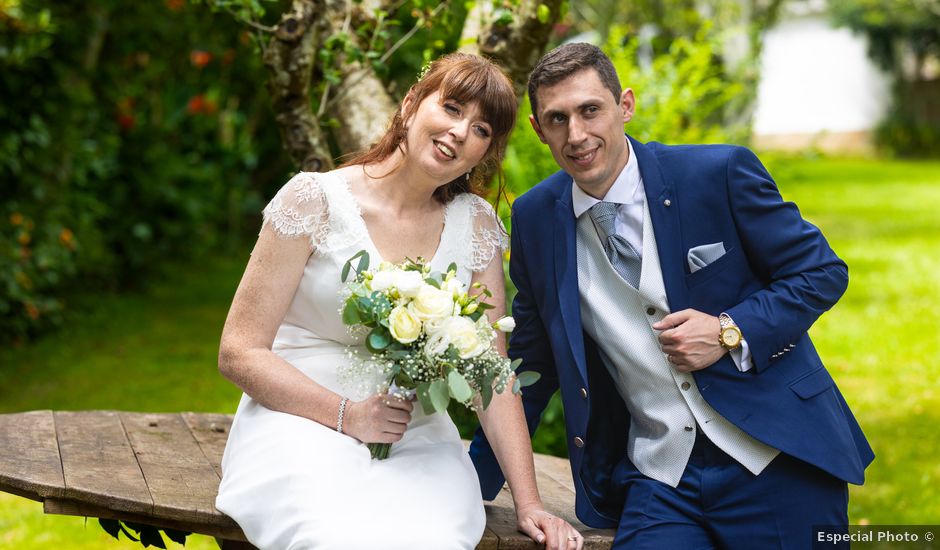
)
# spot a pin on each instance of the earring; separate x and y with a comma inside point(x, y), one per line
point(468, 176)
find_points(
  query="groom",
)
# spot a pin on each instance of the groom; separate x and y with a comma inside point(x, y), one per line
point(668, 291)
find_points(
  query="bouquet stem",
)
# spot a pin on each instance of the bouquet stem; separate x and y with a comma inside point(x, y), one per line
point(379, 450)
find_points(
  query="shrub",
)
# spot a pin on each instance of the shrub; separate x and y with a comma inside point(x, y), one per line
point(130, 136)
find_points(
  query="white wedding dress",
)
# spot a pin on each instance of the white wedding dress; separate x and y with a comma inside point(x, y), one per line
point(290, 482)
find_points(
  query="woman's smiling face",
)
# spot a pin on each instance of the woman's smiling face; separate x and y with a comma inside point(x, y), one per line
point(445, 138)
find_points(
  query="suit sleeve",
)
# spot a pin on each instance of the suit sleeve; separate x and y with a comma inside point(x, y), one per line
point(805, 276)
point(529, 343)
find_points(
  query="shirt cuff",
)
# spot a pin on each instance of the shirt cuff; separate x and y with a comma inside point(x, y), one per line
point(742, 357)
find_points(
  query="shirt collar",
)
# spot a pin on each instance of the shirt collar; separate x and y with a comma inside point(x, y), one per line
point(627, 188)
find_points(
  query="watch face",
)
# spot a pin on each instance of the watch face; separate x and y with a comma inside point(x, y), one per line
point(730, 337)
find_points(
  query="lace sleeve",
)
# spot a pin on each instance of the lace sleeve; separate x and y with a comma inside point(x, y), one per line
point(489, 237)
point(299, 209)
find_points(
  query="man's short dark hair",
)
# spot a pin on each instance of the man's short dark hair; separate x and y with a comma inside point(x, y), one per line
point(566, 60)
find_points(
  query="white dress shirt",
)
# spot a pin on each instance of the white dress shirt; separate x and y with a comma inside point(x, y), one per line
point(629, 194)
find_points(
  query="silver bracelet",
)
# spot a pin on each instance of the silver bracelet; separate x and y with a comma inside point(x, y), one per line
point(342, 412)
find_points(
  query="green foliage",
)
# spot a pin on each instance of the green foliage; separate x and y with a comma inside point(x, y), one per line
point(906, 136)
point(682, 95)
point(903, 38)
point(891, 25)
point(126, 140)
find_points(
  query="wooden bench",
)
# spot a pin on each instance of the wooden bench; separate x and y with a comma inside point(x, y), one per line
point(164, 470)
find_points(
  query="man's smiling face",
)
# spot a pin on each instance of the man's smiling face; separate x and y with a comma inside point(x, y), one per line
point(582, 123)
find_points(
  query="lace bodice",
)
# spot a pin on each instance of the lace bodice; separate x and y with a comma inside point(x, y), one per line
point(321, 208)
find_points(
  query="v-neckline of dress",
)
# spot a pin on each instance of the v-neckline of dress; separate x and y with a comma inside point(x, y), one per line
point(367, 235)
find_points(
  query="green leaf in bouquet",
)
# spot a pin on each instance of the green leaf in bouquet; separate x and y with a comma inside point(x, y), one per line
point(528, 378)
point(351, 313)
point(363, 258)
point(381, 306)
point(475, 316)
point(396, 354)
point(363, 261)
point(433, 282)
point(452, 267)
point(458, 386)
point(483, 306)
point(364, 306)
point(486, 391)
point(424, 396)
point(378, 339)
point(404, 381)
point(516, 387)
point(515, 364)
point(440, 396)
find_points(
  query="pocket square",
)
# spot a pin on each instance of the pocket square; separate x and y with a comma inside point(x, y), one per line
point(702, 255)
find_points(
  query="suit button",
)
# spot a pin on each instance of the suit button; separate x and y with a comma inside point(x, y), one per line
point(686, 385)
point(650, 310)
point(578, 442)
point(584, 393)
point(689, 428)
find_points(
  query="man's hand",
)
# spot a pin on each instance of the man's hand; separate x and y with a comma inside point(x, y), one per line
point(689, 339)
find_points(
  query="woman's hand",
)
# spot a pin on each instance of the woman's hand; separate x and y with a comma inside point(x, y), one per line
point(381, 418)
point(543, 527)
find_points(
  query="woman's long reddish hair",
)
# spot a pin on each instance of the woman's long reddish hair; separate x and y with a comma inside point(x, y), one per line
point(464, 78)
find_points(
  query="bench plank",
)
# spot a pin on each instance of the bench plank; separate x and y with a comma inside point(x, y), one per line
point(182, 483)
point(75, 508)
point(98, 462)
point(29, 457)
point(164, 470)
point(211, 432)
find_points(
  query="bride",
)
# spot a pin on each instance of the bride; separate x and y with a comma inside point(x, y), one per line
point(297, 472)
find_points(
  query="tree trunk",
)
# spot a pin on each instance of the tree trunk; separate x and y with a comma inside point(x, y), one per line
point(518, 45)
point(363, 106)
point(290, 57)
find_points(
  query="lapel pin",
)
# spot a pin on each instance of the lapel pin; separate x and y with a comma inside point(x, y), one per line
point(667, 202)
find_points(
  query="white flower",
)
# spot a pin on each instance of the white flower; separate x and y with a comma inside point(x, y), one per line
point(506, 324)
point(462, 333)
point(436, 344)
point(455, 286)
point(383, 280)
point(408, 283)
point(432, 303)
point(403, 325)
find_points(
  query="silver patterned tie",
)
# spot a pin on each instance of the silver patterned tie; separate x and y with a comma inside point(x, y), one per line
point(621, 253)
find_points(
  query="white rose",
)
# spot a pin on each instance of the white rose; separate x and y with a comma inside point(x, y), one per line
point(462, 333)
point(455, 286)
point(436, 344)
point(506, 324)
point(432, 303)
point(408, 283)
point(403, 325)
point(383, 280)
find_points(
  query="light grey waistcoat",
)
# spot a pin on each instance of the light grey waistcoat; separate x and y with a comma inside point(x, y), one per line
point(665, 405)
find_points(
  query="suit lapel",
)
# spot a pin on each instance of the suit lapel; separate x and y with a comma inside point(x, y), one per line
point(664, 213)
point(566, 277)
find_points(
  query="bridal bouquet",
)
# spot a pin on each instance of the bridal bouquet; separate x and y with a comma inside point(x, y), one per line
point(427, 335)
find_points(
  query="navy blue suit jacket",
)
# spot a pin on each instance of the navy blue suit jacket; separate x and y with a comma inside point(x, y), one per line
point(776, 278)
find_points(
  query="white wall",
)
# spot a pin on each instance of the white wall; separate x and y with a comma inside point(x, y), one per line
point(815, 78)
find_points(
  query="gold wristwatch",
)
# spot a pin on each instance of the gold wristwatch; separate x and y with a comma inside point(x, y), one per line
point(730, 335)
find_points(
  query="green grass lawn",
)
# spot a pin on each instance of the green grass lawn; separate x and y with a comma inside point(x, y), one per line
point(157, 351)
